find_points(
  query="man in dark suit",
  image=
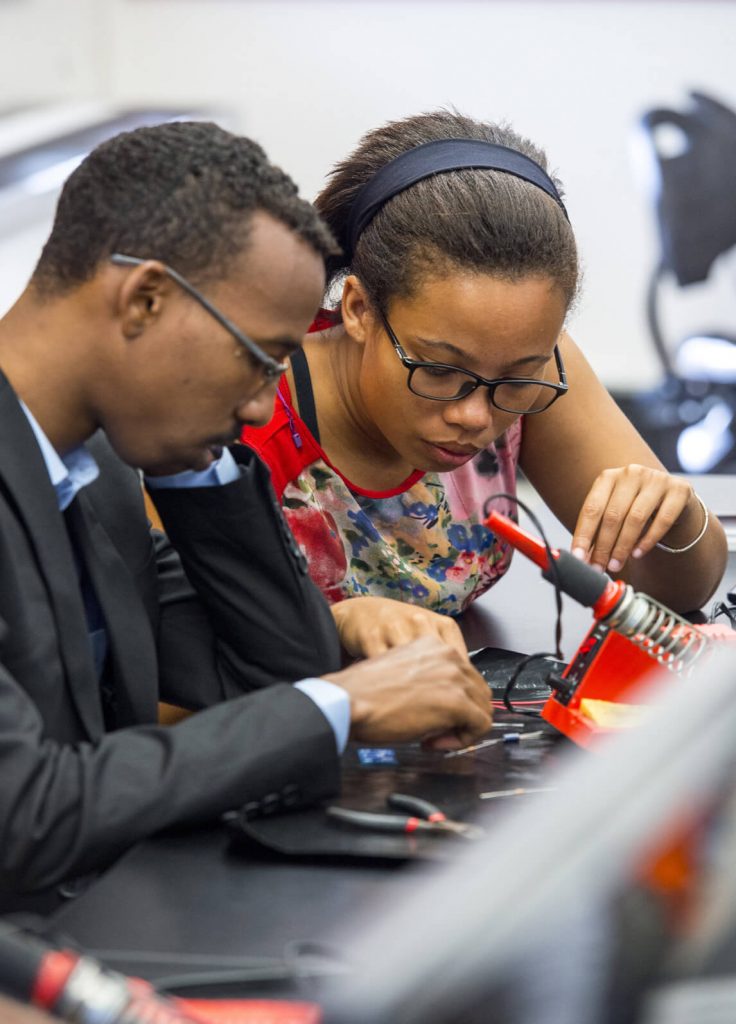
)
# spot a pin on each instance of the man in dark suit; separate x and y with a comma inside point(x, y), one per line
point(182, 269)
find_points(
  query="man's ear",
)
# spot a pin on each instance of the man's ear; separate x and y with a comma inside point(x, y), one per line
point(140, 296)
point(357, 314)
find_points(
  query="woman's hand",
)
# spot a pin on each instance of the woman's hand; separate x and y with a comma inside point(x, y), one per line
point(371, 625)
point(629, 509)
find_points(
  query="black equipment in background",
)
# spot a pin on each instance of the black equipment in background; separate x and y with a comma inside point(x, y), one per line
point(689, 419)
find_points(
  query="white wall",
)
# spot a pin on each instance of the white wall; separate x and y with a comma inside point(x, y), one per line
point(307, 77)
point(52, 49)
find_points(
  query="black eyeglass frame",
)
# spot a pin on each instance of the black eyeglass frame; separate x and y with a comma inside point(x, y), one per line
point(415, 364)
point(272, 369)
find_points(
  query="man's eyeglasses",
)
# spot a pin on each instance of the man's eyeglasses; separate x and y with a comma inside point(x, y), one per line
point(443, 383)
point(271, 368)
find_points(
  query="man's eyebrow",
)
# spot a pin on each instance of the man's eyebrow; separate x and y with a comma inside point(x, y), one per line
point(447, 346)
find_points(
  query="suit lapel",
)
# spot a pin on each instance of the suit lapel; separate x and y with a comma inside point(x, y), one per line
point(24, 478)
point(130, 639)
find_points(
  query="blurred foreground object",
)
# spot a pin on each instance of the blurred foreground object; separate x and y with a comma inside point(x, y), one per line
point(78, 989)
point(583, 903)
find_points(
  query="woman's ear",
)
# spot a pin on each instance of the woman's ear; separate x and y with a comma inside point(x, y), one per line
point(358, 317)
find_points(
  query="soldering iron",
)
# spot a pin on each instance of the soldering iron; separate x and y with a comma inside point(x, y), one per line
point(632, 636)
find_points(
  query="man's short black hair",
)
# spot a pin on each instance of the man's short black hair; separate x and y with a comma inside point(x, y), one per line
point(181, 192)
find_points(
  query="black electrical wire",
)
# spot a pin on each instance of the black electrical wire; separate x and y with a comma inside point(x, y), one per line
point(552, 561)
point(506, 696)
point(722, 608)
point(653, 321)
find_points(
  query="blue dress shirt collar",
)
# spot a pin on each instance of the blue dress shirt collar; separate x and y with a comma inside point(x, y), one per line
point(69, 473)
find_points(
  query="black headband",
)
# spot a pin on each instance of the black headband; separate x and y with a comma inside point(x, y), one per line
point(437, 158)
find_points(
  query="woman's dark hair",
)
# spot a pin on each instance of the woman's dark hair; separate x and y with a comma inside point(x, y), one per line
point(481, 220)
point(182, 192)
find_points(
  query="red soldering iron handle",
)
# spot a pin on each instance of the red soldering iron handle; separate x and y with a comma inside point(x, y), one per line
point(530, 546)
point(590, 588)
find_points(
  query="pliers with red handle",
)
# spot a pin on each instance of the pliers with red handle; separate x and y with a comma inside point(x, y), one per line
point(423, 817)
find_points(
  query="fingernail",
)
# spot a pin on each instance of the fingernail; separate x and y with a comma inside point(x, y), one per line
point(579, 553)
point(614, 565)
point(637, 553)
point(598, 568)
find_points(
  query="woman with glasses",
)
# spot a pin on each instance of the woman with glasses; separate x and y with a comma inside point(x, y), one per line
point(446, 367)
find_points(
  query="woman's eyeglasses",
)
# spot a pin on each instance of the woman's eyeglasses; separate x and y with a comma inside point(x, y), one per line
point(443, 383)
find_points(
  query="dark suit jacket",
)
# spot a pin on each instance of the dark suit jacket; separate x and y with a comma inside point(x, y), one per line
point(85, 771)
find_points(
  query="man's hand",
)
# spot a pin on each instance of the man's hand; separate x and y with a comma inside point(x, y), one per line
point(372, 625)
point(424, 690)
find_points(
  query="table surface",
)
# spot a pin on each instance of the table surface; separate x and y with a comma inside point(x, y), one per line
point(183, 902)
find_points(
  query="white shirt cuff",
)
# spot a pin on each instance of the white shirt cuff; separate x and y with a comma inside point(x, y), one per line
point(334, 704)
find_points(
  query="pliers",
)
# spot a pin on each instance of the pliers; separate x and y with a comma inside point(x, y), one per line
point(424, 817)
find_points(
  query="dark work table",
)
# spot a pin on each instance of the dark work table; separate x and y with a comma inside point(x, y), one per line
point(188, 895)
point(183, 902)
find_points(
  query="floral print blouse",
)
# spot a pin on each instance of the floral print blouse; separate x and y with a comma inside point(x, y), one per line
point(423, 542)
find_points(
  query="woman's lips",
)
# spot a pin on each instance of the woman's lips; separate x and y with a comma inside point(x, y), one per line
point(450, 456)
